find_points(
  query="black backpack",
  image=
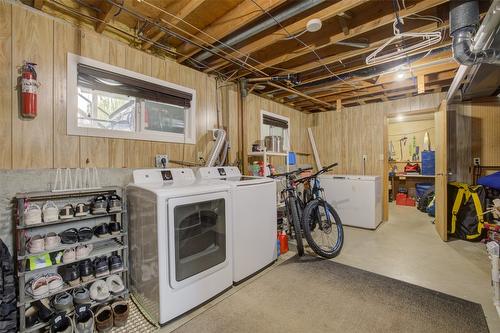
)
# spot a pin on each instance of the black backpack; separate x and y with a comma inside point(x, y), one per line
point(425, 199)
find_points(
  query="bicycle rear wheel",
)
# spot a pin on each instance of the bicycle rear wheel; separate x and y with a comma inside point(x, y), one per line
point(324, 235)
point(293, 204)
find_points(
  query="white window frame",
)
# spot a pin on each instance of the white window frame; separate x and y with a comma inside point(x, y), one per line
point(189, 135)
point(286, 147)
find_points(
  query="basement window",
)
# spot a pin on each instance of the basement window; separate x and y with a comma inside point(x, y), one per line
point(108, 101)
point(272, 124)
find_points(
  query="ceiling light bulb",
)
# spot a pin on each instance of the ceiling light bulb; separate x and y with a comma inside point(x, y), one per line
point(400, 75)
point(313, 25)
point(400, 118)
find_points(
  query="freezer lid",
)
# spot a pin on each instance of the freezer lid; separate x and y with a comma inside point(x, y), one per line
point(351, 177)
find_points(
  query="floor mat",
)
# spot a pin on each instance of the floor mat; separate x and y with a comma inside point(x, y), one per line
point(313, 295)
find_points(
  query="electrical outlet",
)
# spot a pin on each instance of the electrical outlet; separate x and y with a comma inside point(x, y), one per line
point(365, 157)
point(199, 156)
point(477, 161)
point(161, 161)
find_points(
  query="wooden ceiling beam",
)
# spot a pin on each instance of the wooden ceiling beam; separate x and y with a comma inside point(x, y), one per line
point(293, 91)
point(293, 29)
point(38, 4)
point(355, 31)
point(106, 14)
point(241, 15)
point(185, 11)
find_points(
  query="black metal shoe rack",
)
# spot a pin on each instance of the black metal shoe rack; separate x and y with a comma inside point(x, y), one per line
point(102, 246)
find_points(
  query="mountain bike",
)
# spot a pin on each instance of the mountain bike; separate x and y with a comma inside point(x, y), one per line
point(317, 218)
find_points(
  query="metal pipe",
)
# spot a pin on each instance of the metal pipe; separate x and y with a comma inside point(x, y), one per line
point(297, 8)
point(485, 35)
point(220, 143)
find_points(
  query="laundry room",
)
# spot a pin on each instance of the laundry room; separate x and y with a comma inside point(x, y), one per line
point(234, 165)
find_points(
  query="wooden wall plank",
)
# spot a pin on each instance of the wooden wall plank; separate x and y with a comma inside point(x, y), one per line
point(94, 152)
point(5, 85)
point(32, 139)
point(66, 148)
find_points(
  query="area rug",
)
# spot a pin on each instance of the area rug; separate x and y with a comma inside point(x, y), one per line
point(313, 295)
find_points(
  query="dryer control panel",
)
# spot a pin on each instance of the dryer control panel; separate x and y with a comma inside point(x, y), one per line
point(218, 172)
point(158, 176)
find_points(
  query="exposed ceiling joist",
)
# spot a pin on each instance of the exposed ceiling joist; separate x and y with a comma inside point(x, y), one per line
point(235, 19)
point(293, 91)
point(293, 29)
point(191, 6)
point(38, 4)
point(106, 14)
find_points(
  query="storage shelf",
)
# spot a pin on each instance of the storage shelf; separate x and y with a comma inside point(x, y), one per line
point(268, 153)
point(61, 221)
point(30, 299)
point(96, 252)
point(94, 240)
point(44, 195)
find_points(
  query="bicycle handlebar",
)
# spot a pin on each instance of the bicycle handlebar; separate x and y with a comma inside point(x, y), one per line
point(295, 172)
point(325, 169)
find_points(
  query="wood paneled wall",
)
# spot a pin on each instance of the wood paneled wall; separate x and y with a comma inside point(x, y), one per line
point(42, 142)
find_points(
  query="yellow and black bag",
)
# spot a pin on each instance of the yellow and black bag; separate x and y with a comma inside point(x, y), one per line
point(467, 218)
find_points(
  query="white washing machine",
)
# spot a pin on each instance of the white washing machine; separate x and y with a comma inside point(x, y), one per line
point(254, 219)
point(180, 240)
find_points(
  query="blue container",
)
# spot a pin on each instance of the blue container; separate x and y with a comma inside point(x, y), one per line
point(292, 159)
point(428, 163)
point(421, 188)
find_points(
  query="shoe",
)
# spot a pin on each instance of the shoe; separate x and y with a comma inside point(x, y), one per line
point(69, 255)
point(52, 241)
point(31, 316)
point(101, 267)
point(67, 212)
point(83, 251)
point(69, 236)
point(115, 263)
point(45, 312)
point(84, 319)
point(99, 291)
point(114, 204)
point(99, 205)
point(50, 212)
point(81, 295)
point(102, 230)
point(63, 302)
point(114, 228)
point(36, 244)
point(61, 323)
point(85, 234)
point(115, 284)
point(86, 270)
point(82, 209)
point(120, 313)
point(104, 319)
point(32, 214)
point(38, 287)
point(70, 274)
point(54, 281)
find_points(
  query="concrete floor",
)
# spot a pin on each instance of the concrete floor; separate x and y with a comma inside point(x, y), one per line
point(406, 248)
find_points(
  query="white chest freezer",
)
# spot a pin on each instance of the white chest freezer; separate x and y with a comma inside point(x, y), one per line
point(357, 199)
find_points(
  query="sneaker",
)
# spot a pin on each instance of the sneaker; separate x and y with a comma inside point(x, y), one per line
point(102, 230)
point(84, 319)
point(31, 316)
point(69, 236)
point(45, 312)
point(70, 274)
point(104, 319)
point(115, 284)
point(69, 255)
point(120, 313)
point(37, 287)
point(114, 204)
point(86, 270)
point(67, 212)
point(32, 214)
point(63, 302)
point(83, 251)
point(52, 241)
point(115, 263)
point(99, 205)
point(99, 291)
point(85, 234)
point(36, 244)
point(101, 267)
point(81, 295)
point(61, 323)
point(54, 281)
point(50, 212)
point(82, 209)
point(114, 228)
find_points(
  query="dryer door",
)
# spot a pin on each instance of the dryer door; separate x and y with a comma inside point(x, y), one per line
point(199, 236)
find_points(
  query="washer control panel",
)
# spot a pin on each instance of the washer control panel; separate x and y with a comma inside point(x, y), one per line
point(151, 176)
point(218, 172)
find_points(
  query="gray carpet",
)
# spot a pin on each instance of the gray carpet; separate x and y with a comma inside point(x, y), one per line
point(315, 295)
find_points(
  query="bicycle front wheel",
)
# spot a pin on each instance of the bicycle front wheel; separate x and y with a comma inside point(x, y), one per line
point(294, 206)
point(323, 228)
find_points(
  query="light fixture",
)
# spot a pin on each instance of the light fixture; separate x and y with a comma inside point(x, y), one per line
point(313, 25)
point(400, 75)
point(400, 117)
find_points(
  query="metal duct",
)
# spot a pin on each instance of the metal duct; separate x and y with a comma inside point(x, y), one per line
point(297, 8)
point(218, 148)
point(464, 21)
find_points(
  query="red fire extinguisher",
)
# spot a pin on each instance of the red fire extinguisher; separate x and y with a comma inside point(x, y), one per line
point(29, 89)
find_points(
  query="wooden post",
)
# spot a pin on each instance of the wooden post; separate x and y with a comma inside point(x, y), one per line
point(339, 105)
point(421, 84)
